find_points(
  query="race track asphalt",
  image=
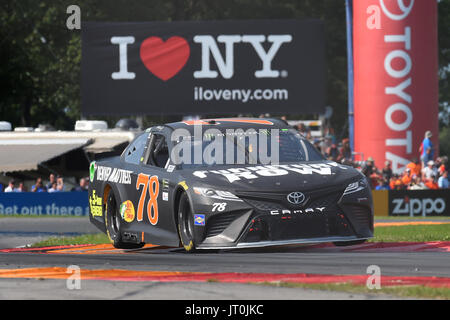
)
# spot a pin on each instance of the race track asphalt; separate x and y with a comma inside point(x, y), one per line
point(264, 260)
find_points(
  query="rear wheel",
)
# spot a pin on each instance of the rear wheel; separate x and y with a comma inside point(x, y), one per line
point(113, 222)
point(186, 224)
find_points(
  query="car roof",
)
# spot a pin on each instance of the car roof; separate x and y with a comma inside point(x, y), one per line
point(230, 123)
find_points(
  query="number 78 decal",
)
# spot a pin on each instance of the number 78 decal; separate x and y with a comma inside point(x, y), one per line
point(152, 185)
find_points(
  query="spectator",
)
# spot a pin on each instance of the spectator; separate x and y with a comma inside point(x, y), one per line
point(398, 185)
point(332, 153)
point(393, 181)
point(426, 149)
point(429, 172)
point(302, 129)
point(60, 184)
point(407, 178)
point(317, 144)
point(387, 171)
point(83, 186)
point(51, 179)
point(444, 165)
point(345, 152)
point(417, 184)
point(53, 188)
point(383, 185)
point(369, 167)
point(21, 187)
point(325, 144)
point(329, 132)
point(443, 181)
point(11, 186)
point(415, 166)
point(38, 186)
point(432, 184)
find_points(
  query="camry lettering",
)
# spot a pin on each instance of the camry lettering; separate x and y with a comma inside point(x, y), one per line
point(298, 211)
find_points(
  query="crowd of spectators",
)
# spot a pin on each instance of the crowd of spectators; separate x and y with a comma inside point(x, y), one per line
point(423, 172)
point(54, 184)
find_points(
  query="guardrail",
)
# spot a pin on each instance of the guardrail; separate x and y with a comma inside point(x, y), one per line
point(45, 204)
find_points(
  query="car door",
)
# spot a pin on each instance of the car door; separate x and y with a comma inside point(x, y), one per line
point(154, 214)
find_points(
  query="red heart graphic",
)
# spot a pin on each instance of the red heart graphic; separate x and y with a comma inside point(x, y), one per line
point(165, 59)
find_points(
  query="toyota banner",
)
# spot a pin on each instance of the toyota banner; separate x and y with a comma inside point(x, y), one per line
point(395, 78)
point(203, 67)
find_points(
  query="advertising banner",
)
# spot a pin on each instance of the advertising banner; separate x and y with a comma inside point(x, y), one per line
point(203, 67)
point(395, 78)
point(42, 203)
point(419, 202)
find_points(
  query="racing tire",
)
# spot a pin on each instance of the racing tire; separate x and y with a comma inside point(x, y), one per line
point(113, 221)
point(186, 224)
point(348, 243)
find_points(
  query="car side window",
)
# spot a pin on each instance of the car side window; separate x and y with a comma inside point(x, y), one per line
point(159, 151)
point(135, 150)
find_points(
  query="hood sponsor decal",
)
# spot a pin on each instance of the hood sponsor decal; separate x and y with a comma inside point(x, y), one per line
point(114, 175)
point(236, 174)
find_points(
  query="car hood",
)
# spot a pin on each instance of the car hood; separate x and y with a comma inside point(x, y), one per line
point(274, 178)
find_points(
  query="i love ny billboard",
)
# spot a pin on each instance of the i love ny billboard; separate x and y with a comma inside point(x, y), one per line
point(203, 67)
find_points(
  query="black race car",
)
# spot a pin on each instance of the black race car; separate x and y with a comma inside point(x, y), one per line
point(227, 183)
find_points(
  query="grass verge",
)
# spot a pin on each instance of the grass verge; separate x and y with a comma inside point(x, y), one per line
point(98, 238)
point(416, 291)
point(413, 233)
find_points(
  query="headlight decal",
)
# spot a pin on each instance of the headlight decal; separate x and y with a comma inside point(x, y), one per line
point(216, 194)
point(356, 186)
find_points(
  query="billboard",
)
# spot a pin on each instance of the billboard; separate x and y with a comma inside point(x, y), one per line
point(395, 78)
point(411, 203)
point(203, 67)
point(419, 203)
point(43, 203)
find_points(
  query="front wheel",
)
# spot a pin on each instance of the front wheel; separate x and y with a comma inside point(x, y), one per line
point(186, 224)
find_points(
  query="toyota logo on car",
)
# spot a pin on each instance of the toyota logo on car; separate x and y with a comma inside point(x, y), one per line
point(296, 197)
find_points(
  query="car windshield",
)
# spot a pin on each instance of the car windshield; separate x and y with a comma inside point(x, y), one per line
point(263, 146)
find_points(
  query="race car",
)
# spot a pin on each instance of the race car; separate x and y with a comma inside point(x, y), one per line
point(227, 183)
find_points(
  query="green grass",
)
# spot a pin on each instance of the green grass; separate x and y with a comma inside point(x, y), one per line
point(414, 233)
point(416, 291)
point(98, 238)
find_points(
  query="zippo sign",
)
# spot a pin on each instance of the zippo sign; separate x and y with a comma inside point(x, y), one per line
point(203, 67)
point(395, 78)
